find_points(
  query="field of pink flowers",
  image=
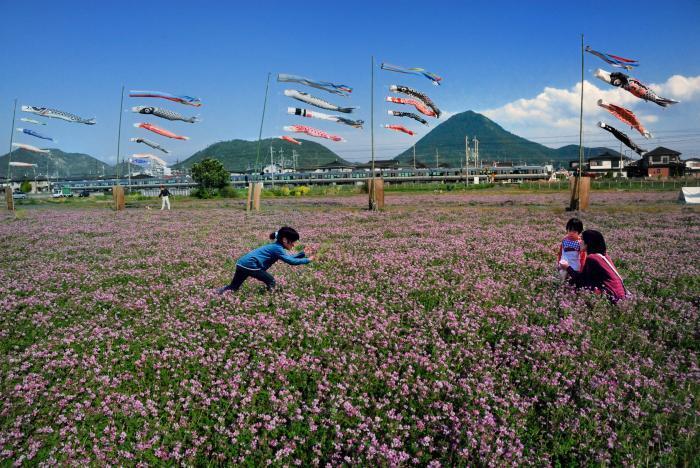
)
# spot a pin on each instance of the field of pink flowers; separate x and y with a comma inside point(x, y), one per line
point(434, 333)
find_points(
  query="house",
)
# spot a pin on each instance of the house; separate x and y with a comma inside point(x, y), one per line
point(659, 162)
point(608, 162)
point(692, 167)
point(335, 166)
point(384, 164)
point(604, 164)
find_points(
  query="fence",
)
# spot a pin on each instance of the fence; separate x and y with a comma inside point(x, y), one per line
point(618, 184)
point(182, 192)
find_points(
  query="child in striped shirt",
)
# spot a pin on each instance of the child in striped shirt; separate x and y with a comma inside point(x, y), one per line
point(570, 250)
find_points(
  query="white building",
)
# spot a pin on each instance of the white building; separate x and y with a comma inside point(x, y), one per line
point(152, 165)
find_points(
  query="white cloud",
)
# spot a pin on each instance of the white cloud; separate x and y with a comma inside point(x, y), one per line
point(552, 117)
point(680, 87)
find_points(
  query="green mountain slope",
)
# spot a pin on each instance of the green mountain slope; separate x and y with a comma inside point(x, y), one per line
point(57, 163)
point(495, 143)
point(241, 155)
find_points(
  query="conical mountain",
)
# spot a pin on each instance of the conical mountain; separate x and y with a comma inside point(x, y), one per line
point(57, 163)
point(242, 155)
point(495, 144)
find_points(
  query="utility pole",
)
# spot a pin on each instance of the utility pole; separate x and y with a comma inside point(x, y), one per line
point(466, 159)
point(272, 165)
point(476, 152)
point(437, 159)
point(414, 157)
point(294, 159)
point(282, 159)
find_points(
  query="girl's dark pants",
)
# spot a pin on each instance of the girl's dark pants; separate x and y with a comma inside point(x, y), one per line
point(242, 274)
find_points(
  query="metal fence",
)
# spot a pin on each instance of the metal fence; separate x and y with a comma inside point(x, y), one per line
point(618, 184)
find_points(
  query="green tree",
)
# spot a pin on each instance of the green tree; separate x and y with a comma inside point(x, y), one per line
point(210, 174)
point(25, 186)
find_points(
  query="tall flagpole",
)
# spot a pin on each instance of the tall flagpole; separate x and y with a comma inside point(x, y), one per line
point(119, 133)
point(9, 155)
point(372, 186)
point(262, 119)
point(580, 138)
point(372, 112)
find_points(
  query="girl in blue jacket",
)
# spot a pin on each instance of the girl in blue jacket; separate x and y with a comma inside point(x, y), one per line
point(257, 262)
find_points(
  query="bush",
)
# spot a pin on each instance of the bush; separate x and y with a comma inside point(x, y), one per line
point(229, 192)
point(300, 190)
point(203, 193)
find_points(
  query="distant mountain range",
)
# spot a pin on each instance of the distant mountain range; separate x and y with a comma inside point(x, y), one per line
point(242, 155)
point(447, 139)
point(495, 144)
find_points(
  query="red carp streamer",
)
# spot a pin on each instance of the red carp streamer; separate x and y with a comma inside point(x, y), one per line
point(626, 115)
point(160, 131)
point(420, 107)
point(314, 132)
point(400, 128)
point(290, 139)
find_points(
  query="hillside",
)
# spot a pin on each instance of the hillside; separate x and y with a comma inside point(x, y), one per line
point(57, 163)
point(495, 143)
point(241, 155)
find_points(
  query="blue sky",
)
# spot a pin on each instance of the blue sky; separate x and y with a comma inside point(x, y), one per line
point(518, 62)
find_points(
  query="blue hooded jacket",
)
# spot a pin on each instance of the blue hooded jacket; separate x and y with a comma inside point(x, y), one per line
point(264, 257)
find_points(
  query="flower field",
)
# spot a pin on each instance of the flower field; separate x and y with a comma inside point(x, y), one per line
point(434, 333)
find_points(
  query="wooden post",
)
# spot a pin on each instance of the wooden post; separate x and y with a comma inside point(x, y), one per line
point(376, 193)
point(248, 206)
point(256, 195)
point(8, 197)
point(118, 197)
point(580, 194)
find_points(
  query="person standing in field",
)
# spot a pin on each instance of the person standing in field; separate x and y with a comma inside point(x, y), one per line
point(165, 198)
point(256, 263)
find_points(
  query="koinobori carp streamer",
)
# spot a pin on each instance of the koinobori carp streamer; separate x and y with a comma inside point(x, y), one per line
point(31, 148)
point(400, 128)
point(420, 107)
point(28, 131)
point(614, 60)
point(163, 113)
point(634, 86)
point(625, 115)
point(187, 100)
point(410, 115)
point(149, 143)
point(319, 115)
point(57, 114)
point(290, 139)
point(339, 89)
point(413, 71)
point(314, 101)
point(160, 131)
point(24, 119)
point(623, 138)
point(314, 132)
point(418, 95)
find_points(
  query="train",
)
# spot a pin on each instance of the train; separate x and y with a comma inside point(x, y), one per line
point(509, 174)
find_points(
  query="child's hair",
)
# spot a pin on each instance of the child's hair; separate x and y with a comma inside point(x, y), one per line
point(285, 231)
point(595, 243)
point(574, 224)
